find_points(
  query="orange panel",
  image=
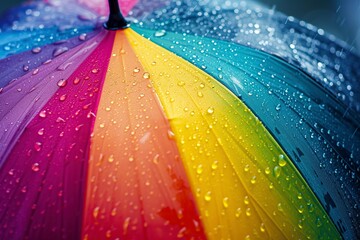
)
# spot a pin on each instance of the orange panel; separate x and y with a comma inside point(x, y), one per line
point(137, 187)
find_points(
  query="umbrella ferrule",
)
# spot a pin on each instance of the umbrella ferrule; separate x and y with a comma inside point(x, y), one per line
point(116, 20)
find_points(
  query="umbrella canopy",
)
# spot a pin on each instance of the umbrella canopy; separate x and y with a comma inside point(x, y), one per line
point(171, 128)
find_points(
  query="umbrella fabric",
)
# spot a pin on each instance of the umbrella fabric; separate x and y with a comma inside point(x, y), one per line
point(291, 104)
point(108, 135)
point(330, 61)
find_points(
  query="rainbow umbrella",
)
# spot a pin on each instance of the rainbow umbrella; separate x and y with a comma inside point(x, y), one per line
point(171, 129)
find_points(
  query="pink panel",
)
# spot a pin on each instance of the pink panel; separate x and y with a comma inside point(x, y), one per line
point(42, 179)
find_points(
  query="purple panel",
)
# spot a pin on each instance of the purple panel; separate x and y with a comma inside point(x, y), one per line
point(18, 65)
point(42, 179)
point(22, 99)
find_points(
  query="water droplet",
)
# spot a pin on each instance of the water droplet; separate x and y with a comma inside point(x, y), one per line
point(47, 62)
point(214, 165)
point(60, 50)
point(267, 171)
point(136, 70)
point(181, 83)
point(171, 135)
point(246, 200)
point(300, 224)
point(210, 110)
point(181, 233)
point(96, 212)
point(64, 66)
point(282, 161)
point(200, 94)
point(36, 50)
point(156, 159)
point(246, 168)
point(199, 169)
point(60, 120)
point(102, 125)
point(180, 214)
point(238, 212)
point(318, 222)
point(108, 234)
point(41, 132)
point(126, 225)
point(76, 81)
point(78, 127)
point(248, 212)
point(299, 196)
point(36, 71)
point(279, 207)
point(226, 202)
point(83, 36)
point(253, 180)
point(111, 158)
point(262, 227)
point(62, 97)
point(35, 167)
point(160, 33)
point(26, 68)
point(113, 212)
point(277, 171)
point(131, 159)
point(146, 75)
point(11, 172)
point(95, 71)
point(301, 209)
point(62, 83)
point(37, 146)
point(42, 114)
point(278, 107)
point(311, 207)
point(207, 196)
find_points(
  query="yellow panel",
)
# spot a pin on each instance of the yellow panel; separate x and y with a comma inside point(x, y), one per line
point(245, 185)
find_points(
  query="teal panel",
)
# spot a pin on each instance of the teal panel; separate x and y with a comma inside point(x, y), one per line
point(317, 131)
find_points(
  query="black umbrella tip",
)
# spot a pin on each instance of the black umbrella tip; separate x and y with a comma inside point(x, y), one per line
point(116, 23)
point(116, 19)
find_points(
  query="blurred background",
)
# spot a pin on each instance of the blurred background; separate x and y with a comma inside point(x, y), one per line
point(338, 17)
